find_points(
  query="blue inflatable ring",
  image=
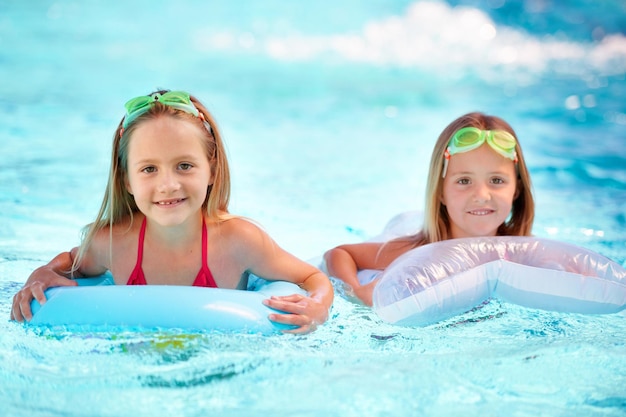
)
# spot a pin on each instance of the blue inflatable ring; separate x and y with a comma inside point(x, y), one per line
point(96, 304)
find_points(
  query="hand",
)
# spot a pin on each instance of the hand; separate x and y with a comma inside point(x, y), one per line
point(304, 312)
point(40, 280)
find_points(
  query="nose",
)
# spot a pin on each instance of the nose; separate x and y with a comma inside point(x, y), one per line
point(482, 193)
point(168, 182)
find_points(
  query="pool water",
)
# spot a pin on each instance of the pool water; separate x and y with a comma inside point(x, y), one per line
point(329, 113)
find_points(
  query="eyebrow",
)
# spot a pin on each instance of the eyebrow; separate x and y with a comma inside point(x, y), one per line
point(186, 157)
point(502, 173)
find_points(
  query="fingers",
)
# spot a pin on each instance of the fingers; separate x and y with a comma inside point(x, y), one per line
point(300, 312)
point(37, 291)
point(301, 330)
point(302, 323)
point(62, 282)
point(21, 301)
point(293, 298)
point(294, 304)
point(20, 309)
point(15, 314)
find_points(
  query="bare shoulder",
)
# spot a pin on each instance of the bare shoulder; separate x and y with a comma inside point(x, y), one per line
point(242, 230)
point(119, 239)
point(396, 247)
point(121, 230)
point(244, 245)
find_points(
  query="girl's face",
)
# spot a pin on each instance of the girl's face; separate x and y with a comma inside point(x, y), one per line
point(168, 170)
point(478, 192)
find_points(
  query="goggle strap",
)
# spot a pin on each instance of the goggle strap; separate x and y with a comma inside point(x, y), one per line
point(446, 158)
point(175, 102)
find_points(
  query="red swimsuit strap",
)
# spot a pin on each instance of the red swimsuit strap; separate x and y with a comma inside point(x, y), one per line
point(205, 276)
point(136, 276)
point(142, 235)
point(205, 242)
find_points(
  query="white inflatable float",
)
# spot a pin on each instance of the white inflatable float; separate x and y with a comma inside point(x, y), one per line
point(437, 281)
point(95, 304)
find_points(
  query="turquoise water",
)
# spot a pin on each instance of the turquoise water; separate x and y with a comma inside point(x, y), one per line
point(329, 112)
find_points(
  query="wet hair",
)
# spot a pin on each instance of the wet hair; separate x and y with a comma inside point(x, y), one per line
point(118, 205)
point(436, 220)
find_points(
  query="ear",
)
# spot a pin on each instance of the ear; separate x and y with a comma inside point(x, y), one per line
point(211, 180)
point(127, 185)
point(517, 189)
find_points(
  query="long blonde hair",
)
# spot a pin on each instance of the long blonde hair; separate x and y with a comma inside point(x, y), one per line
point(118, 205)
point(436, 220)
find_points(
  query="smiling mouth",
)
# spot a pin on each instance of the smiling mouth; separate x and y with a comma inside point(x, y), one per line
point(483, 212)
point(169, 202)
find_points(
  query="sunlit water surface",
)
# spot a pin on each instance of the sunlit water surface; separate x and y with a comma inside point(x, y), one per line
point(329, 113)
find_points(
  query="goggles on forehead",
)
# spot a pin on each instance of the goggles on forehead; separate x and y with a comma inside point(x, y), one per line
point(177, 99)
point(470, 138)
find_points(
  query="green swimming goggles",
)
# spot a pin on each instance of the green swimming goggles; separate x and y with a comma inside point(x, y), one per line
point(177, 99)
point(470, 138)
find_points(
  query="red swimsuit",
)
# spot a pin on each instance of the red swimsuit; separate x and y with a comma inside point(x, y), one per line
point(204, 278)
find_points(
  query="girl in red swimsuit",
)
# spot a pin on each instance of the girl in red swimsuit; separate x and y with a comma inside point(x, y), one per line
point(164, 219)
